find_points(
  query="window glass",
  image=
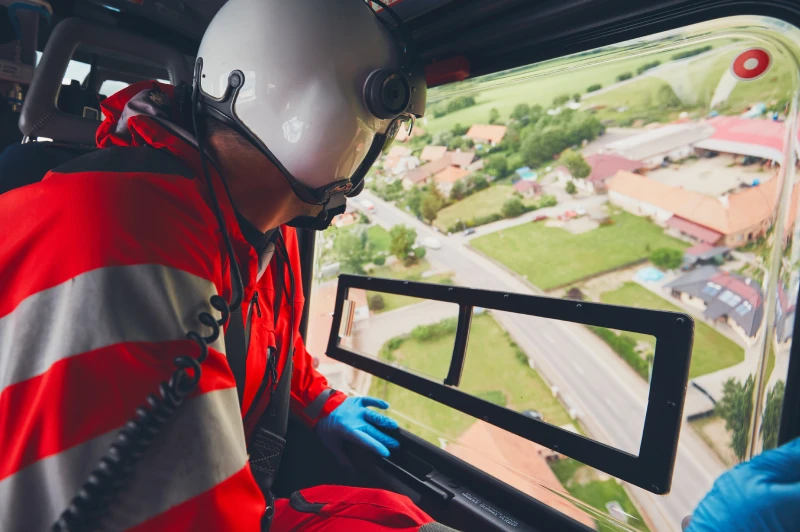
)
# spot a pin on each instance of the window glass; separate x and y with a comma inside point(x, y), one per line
point(655, 173)
point(111, 86)
point(74, 98)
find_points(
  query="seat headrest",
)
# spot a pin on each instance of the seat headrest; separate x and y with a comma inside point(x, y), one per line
point(40, 116)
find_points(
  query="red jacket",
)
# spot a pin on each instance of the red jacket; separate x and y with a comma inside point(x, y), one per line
point(104, 266)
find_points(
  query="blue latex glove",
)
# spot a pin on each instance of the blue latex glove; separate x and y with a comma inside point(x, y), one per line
point(353, 421)
point(762, 495)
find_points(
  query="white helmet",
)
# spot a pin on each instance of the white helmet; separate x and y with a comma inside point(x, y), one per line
point(320, 87)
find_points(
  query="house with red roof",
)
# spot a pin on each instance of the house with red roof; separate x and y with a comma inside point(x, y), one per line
point(731, 220)
point(744, 137)
point(604, 166)
point(448, 177)
point(463, 161)
point(527, 188)
point(486, 134)
point(723, 297)
point(432, 153)
point(399, 160)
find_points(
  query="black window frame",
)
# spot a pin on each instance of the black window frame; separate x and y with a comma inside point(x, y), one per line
point(651, 469)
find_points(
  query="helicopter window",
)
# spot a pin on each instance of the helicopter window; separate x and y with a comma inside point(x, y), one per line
point(649, 174)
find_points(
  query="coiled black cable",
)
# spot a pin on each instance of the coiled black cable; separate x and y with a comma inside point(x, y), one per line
point(115, 468)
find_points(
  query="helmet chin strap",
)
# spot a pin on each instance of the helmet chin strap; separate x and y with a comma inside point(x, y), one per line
point(335, 206)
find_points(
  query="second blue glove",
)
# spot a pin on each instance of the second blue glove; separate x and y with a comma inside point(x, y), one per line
point(353, 421)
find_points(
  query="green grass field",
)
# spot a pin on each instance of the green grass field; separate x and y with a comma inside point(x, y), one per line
point(379, 237)
point(410, 273)
point(494, 366)
point(551, 257)
point(540, 84)
point(395, 301)
point(483, 203)
point(712, 350)
point(695, 84)
point(639, 97)
point(537, 86)
point(595, 493)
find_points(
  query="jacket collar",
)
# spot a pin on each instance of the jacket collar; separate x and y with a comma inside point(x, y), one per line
point(147, 114)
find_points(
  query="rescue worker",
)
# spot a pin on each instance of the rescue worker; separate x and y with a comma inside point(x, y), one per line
point(117, 254)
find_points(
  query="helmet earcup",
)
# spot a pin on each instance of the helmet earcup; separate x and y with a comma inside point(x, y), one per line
point(387, 93)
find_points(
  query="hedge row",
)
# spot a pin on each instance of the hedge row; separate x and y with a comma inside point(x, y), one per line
point(624, 346)
point(545, 201)
point(424, 333)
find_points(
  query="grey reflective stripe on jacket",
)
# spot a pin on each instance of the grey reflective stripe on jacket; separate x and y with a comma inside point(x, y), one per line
point(200, 447)
point(100, 308)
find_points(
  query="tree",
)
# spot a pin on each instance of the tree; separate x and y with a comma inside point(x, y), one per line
point(419, 253)
point(772, 416)
point(414, 201)
point(520, 110)
point(380, 260)
point(667, 98)
point(431, 204)
point(497, 165)
point(647, 66)
point(576, 97)
point(351, 249)
point(458, 191)
point(575, 163)
point(456, 143)
point(460, 102)
point(494, 115)
point(458, 130)
point(667, 258)
point(363, 218)
point(624, 76)
point(376, 302)
point(402, 241)
point(593, 88)
point(477, 182)
point(735, 408)
point(575, 293)
point(513, 137)
point(539, 146)
point(571, 188)
point(442, 138)
point(561, 99)
point(536, 113)
point(513, 207)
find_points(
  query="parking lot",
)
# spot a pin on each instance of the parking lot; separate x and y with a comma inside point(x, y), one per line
point(713, 177)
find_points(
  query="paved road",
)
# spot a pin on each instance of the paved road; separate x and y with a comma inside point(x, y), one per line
point(610, 397)
point(370, 335)
point(590, 202)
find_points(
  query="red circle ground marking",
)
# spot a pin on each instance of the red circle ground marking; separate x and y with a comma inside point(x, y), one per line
point(751, 64)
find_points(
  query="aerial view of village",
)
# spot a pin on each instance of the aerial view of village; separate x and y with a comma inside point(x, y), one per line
point(656, 174)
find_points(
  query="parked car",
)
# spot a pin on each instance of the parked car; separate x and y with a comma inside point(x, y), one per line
point(580, 211)
point(470, 231)
point(533, 414)
point(540, 218)
point(431, 243)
